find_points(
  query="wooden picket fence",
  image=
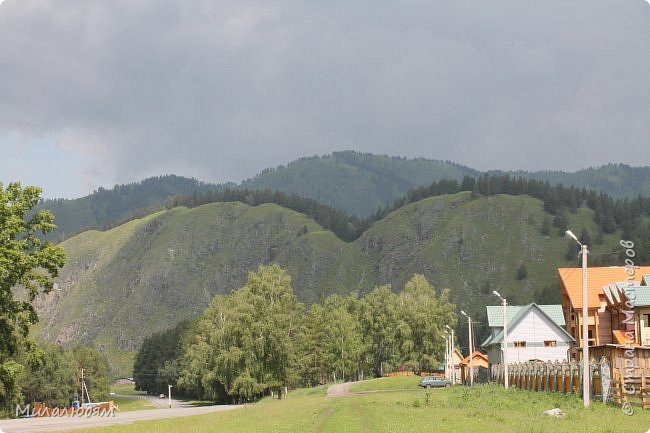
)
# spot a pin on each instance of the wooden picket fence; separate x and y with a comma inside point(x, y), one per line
point(630, 371)
point(411, 373)
point(607, 383)
point(399, 373)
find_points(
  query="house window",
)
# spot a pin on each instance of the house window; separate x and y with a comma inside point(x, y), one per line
point(520, 344)
point(646, 320)
point(550, 343)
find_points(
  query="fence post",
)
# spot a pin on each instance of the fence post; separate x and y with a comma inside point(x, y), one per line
point(594, 379)
point(546, 376)
point(573, 369)
point(605, 379)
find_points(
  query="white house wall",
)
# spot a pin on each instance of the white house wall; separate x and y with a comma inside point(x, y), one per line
point(534, 329)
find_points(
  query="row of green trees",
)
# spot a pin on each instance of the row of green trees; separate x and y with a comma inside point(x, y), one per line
point(260, 338)
point(52, 375)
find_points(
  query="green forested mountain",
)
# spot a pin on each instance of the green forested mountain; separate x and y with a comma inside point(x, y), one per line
point(108, 207)
point(150, 273)
point(357, 183)
point(617, 180)
point(352, 182)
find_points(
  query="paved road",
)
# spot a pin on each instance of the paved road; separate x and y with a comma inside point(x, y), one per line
point(33, 425)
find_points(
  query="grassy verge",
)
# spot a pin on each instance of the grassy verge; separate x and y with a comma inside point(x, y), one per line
point(486, 409)
point(126, 404)
point(129, 399)
point(126, 389)
point(387, 384)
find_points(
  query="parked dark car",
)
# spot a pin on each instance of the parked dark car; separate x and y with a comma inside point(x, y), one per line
point(434, 382)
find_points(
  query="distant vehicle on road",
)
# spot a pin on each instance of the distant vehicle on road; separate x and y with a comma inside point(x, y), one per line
point(162, 396)
point(434, 382)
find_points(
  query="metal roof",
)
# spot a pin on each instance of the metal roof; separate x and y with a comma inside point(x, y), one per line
point(641, 296)
point(597, 278)
point(495, 314)
point(521, 311)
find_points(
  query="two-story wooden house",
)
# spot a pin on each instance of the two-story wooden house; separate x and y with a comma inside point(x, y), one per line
point(618, 305)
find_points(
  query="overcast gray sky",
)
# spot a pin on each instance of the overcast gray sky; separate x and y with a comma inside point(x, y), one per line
point(94, 93)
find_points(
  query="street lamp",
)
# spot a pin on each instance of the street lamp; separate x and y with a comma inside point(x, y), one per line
point(447, 370)
point(471, 352)
point(451, 355)
point(505, 339)
point(585, 317)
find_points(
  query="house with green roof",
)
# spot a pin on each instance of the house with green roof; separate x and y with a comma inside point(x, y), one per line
point(535, 332)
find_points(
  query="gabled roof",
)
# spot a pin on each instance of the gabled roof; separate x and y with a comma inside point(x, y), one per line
point(475, 355)
point(458, 355)
point(521, 313)
point(615, 292)
point(597, 278)
point(639, 296)
point(495, 314)
point(621, 292)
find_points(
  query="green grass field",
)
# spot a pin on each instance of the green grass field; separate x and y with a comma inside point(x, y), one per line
point(402, 407)
point(128, 404)
point(135, 401)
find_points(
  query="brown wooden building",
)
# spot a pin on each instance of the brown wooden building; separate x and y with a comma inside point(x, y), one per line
point(610, 319)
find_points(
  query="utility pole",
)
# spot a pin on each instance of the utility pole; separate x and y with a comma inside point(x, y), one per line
point(471, 352)
point(451, 355)
point(169, 389)
point(586, 376)
point(447, 370)
point(450, 359)
point(505, 339)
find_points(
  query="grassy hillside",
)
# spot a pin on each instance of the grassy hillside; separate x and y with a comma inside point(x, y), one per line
point(146, 275)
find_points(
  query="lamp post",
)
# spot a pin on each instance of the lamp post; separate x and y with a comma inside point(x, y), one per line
point(471, 352)
point(447, 370)
point(169, 395)
point(505, 339)
point(585, 318)
point(451, 355)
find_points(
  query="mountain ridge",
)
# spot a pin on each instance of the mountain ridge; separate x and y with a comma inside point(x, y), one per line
point(352, 182)
point(148, 274)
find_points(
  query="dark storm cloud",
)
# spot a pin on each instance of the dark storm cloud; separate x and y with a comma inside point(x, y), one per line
point(219, 90)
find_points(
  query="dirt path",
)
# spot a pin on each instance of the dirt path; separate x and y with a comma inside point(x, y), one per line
point(341, 390)
point(33, 425)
